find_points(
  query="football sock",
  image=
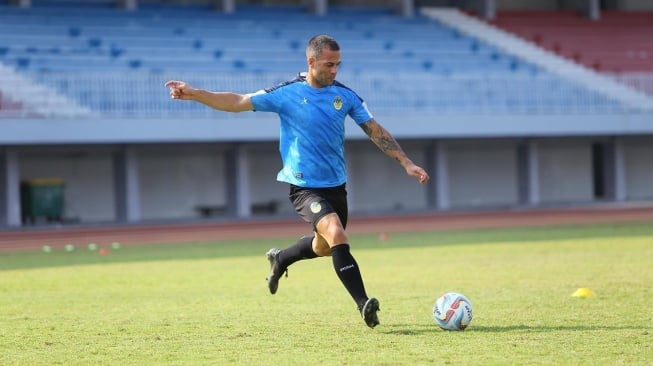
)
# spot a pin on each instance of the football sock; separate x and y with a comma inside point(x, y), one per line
point(303, 249)
point(349, 273)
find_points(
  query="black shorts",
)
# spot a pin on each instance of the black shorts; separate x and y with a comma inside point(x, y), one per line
point(313, 203)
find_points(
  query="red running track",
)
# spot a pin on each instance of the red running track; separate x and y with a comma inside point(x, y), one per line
point(37, 237)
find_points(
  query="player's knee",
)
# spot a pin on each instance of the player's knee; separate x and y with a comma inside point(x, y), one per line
point(332, 231)
point(323, 251)
point(321, 247)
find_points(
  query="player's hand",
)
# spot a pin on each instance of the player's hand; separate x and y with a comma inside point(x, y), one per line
point(179, 90)
point(419, 173)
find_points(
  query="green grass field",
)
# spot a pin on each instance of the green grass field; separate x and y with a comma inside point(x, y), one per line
point(207, 303)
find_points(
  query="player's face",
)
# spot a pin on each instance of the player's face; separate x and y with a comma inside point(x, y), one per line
point(324, 68)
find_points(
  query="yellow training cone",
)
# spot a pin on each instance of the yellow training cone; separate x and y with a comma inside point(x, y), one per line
point(583, 292)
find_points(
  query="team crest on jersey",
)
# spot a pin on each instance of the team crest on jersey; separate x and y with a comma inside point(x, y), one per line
point(337, 102)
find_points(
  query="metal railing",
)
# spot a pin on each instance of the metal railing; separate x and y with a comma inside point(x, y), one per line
point(138, 94)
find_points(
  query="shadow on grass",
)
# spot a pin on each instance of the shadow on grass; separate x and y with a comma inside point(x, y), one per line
point(414, 330)
point(550, 328)
point(410, 330)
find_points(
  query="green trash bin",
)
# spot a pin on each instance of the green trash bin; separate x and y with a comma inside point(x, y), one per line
point(42, 197)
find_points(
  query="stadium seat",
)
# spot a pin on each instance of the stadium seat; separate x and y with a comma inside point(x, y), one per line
point(50, 41)
point(617, 42)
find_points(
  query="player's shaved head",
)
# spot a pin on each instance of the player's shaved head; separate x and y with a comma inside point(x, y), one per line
point(318, 43)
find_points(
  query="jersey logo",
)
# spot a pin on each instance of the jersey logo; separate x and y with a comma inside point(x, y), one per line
point(337, 102)
point(304, 100)
point(316, 207)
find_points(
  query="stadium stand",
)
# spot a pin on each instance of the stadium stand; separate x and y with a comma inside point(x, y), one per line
point(500, 121)
point(544, 59)
point(617, 42)
point(418, 64)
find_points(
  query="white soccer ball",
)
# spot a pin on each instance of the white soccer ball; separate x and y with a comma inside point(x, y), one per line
point(453, 311)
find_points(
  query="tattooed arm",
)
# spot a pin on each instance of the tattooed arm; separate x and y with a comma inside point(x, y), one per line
point(386, 143)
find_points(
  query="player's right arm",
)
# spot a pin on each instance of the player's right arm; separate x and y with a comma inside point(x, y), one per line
point(224, 101)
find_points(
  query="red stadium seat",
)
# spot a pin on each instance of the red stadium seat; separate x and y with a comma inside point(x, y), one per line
point(618, 42)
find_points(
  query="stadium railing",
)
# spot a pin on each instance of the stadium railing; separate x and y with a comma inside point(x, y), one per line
point(137, 94)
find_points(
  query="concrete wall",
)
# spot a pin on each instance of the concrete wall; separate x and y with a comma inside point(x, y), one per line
point(638, 156)
point(173, 179)
point(379, 184)
point(88, 177)
point(265, 163)
point(565, 171)
point(482, 174)
point(173, 183)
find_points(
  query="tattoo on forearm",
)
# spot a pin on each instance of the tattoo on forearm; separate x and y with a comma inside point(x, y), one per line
point(366, 129)
point(387, 143)
point(381, 138)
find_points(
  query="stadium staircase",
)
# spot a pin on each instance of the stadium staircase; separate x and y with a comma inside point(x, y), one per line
point(24, 98)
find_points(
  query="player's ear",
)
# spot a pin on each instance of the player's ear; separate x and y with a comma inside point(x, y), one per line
point(311, 61)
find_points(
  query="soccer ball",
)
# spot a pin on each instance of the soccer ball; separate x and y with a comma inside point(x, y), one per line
point(452, 311)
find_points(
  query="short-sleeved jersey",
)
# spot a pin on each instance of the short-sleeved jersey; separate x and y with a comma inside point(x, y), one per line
point(312, 130)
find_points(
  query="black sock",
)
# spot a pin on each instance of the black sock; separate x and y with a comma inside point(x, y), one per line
point(303, 249)
point(349, 273)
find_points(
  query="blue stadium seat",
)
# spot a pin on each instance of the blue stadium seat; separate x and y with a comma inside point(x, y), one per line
point(171, 39)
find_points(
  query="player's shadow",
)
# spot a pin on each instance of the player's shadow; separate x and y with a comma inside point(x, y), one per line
point(410, 330)
point(414, 329)
point(547, 328)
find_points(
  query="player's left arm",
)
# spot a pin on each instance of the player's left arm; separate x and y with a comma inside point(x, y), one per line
point(386, 143)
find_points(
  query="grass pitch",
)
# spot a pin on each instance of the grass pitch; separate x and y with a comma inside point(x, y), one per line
point(207, 303)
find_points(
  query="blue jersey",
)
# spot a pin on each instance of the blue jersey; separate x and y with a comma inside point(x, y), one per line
point(312, 131)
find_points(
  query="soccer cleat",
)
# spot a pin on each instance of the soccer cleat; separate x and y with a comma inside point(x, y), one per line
point(275, 274)
point(368, 312)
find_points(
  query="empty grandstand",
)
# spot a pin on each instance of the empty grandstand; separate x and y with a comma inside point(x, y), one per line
point(618, 42)
point(500, 110)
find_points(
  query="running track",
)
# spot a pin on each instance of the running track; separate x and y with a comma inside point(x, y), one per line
point(59, 236)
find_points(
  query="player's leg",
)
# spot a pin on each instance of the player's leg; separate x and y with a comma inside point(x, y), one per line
point(281, 259)
point(332, 232)
point(331, 228)
point(326, 209)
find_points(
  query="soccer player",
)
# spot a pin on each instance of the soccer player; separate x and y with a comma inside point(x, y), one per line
point(312, 108)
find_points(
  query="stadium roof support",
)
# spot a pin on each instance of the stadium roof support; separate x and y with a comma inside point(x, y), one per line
point(592, 9)
point(487, 9)
point(22, 3)
point(225, 6)
point(317, 7)
point(405, 7)
point(129, 4)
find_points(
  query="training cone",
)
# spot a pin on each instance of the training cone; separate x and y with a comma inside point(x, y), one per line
point(583, 292)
